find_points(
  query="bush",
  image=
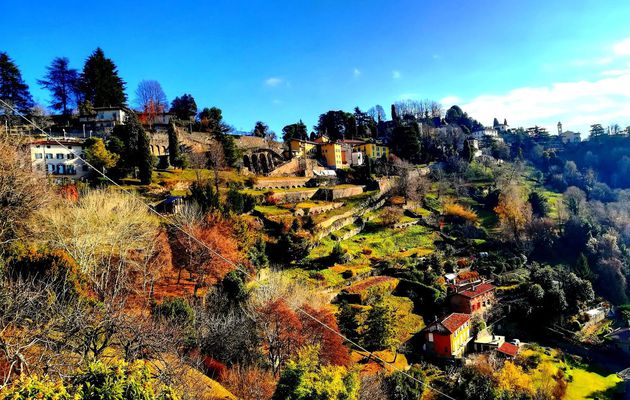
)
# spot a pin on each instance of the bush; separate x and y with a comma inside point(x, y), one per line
point(391, 216)
point(175, 309)
point(29, 387)
point(458, 214)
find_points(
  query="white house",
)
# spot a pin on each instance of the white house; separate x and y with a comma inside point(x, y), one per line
point(59, 159)
point(485, 132)
point(105, 117)
point(570, 137)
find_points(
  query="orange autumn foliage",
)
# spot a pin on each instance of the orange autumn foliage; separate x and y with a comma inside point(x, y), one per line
point(250, 383)
point(333, 351)
point(280, 331)
point(210, 260)
point(458, 213)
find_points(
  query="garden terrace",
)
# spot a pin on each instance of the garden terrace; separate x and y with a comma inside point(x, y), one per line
point(359, 291)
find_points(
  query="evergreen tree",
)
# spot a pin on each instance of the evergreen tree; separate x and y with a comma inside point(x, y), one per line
point(582, 269)
point(100, 83)
point(540, 206)
point(294, 131)
point(406, 142)
point(380, 332)
point(468, 152)
point(261, 130)
point(135, 151)
point(62, 81)
point(184, 107)
point(347, 321)
point(145, 159)
point(212, 120)
point(13, 89)
point(173, 146)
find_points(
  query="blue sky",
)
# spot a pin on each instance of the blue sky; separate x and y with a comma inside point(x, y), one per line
point(279, 61)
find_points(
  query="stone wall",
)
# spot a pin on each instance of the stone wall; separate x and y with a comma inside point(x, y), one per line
point(334, 193)
point(295, 182)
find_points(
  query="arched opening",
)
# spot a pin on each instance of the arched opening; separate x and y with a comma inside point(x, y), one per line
point(246, 163)
point(264, 165)
point(255, 164)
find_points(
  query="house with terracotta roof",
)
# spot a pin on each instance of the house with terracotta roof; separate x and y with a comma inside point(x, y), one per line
point(508, 350)
point(475, 299)
point(449, 336)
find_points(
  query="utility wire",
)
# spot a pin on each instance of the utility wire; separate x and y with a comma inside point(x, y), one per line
point(219, 255)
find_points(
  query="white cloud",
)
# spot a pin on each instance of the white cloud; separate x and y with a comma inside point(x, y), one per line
point(273, 81)
point(448, 101)
point(575, 104)
point(396, 74)
point(356, 72)
point(622, 48)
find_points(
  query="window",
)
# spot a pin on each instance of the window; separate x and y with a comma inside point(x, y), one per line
point(48, 147)
point(430, 337)
point(70, 156)
point(85, 168)
point(49, 156)
point(59, 156)
point(39, 156)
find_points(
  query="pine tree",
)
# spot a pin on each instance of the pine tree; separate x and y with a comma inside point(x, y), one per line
point(13, 89)
point(62, 81)
point(100, 83)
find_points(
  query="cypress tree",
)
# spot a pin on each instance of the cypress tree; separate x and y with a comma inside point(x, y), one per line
point(173, 146)
point(145, 159)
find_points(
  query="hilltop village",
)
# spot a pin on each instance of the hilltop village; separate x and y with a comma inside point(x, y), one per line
point(422, 254)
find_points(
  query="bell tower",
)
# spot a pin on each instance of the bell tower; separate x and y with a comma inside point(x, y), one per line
point(559, 128)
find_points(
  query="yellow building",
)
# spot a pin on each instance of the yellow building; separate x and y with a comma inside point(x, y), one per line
point(331, 152)
point(300, 148)
point(448, 337)
point(373, 150)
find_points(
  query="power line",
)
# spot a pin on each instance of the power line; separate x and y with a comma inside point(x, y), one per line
point(228, 261)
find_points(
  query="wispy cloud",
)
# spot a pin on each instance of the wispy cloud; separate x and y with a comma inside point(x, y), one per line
point(396, 74)
point(622, 48)
point(356, 72)
point(274, 81)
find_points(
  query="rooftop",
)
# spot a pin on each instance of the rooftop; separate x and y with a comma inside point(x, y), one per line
point(62, 142)
point(508, 349)
point(477, 290)
point(454, 321)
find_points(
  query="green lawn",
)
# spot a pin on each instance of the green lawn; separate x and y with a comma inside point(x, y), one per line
point(380, 242)
point(588, 385)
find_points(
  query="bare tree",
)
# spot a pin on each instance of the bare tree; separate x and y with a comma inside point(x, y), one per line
point(107, 233)
point(216, 160)
point(151, 99)
point(21, 193)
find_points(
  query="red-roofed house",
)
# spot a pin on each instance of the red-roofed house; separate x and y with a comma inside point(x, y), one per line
point(448, 337)
point(508, 350)
point(475, 299)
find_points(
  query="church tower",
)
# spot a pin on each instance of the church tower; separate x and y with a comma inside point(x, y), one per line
point(559, 128)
